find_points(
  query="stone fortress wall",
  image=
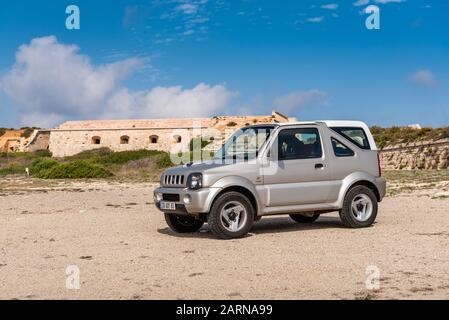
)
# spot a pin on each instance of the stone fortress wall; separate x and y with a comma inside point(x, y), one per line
point(417, 156)
point(170, 135)
point(14, 141)
point(39, 140)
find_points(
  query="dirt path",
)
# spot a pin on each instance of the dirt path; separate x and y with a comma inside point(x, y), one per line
point(124, 250)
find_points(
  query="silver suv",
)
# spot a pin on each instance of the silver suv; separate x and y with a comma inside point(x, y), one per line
point(302, 169)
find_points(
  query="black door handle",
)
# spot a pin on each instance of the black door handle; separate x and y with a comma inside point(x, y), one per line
point(319, 166)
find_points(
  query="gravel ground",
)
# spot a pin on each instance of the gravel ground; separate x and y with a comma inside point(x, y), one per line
point(123, 249)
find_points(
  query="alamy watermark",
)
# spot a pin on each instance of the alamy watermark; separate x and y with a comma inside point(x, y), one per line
point(372, 22)
point(372, 281)
point(73, 21)
point(72, 281)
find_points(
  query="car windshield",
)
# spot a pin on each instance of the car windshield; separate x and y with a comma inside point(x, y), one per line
point(245, 143)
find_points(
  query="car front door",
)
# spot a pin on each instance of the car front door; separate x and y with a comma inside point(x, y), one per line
point(298, 171)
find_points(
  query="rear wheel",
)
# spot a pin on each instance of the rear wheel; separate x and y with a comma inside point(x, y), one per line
point(231, 216)
point(359, 208)
point(183, 224)
point(305, 217)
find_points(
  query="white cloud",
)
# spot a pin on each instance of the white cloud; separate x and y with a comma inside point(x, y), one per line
point(362, 12)
point(298, 99)
point(54, 79)
point(188, 32)
point(423, 78)
point(359, 3)
point(51, 82)
point(164, 102)
point(315, 19)
point(330, 6)
point(188, 8)
point(389, 1)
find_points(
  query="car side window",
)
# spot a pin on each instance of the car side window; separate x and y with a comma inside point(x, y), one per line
point(355, 135)
point(300, 143)
point(340, 150)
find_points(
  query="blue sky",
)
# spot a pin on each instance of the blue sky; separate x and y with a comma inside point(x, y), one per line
point(182, 58)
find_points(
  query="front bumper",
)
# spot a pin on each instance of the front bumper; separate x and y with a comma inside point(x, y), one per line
point(200, 201)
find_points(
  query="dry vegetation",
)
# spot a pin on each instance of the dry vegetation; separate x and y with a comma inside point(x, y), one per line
point(139, 165)
point(434, 183)
point(99, 163)
point(395, 135)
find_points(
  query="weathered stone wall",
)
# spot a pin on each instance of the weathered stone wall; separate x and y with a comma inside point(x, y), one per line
point(12, 141)
point(40, 140)
point(417, 156)
point(173, 135)
point(68, 143)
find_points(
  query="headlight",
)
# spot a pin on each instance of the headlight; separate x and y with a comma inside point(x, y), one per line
point(195, 181)
point(157, 196)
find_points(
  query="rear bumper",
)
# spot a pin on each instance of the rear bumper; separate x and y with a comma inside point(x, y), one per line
point(190, 202)
point(381, 185)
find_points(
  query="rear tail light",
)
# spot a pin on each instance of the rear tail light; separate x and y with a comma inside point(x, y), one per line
point(379, 167)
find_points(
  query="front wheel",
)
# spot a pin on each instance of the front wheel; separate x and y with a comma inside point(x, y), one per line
point(305, 217)
point(359, 208)
point(183, 224)
point(231, 216)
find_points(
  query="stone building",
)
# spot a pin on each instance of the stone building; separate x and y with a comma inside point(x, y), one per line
point(10, 141)
point(171, 135)
point(39, 140)
point(18, 141)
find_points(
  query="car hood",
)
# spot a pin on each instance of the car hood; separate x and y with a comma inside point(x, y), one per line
point(206, 168)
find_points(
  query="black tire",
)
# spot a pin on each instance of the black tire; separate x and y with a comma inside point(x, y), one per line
point(346, 214)
point(183, 224)
point(216, 223)
point(304, 219)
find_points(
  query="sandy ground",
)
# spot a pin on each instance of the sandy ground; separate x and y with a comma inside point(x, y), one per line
point(124, 250)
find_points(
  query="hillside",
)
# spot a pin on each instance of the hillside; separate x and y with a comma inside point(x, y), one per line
point(413, 149)
point(386, 137)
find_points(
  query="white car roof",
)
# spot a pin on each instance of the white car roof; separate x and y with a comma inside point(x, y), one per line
point(339, 123)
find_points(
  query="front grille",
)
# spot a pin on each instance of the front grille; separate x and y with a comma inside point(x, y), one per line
point(173, 180)
point(172, 197)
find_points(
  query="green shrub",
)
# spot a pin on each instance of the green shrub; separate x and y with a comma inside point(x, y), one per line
point(17, 155)
point(127, 156)
point(232, 124)
point(396, 135)
point(201, 141)
point(89, 154)
point(12, 169)
point(40, 165)
point(78, 169)
point(2, 131)
point(43, 154)
point(164, 161)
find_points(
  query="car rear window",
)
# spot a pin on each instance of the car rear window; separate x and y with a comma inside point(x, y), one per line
point(340, 150)
point(355, 134)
